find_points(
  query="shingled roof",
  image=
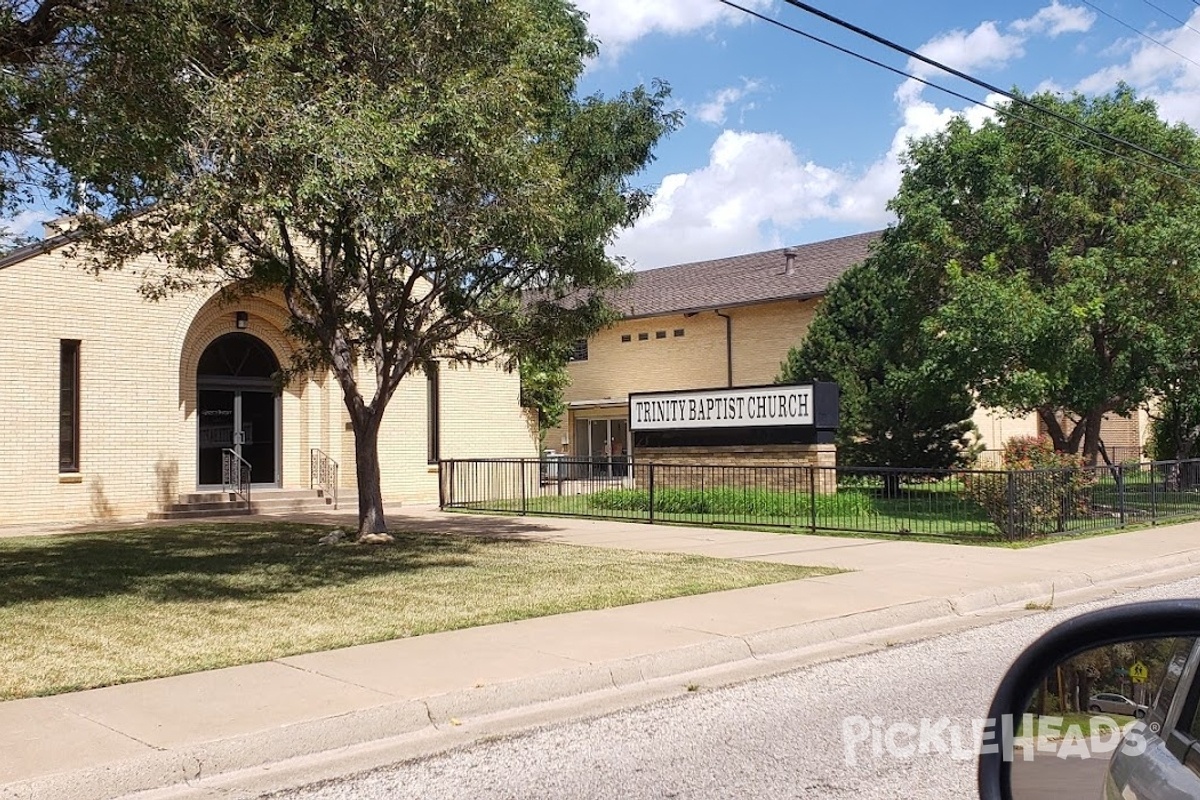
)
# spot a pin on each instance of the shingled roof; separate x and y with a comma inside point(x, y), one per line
point(742, 280)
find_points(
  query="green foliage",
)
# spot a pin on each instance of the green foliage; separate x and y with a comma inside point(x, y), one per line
point(1175, 428)
point(725, 501)
point(1038, 491)
point(865, 337)
point(1066, 279)
point(543, 383)
point(98, 92)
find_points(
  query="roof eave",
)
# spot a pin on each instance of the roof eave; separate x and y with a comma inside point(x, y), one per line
point(720, 306)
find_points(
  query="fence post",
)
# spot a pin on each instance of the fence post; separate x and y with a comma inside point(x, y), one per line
point(441, 484)
point(1121, 493)
point(521, 466)
point(650, 488)
point(1011, 497)
point(812, 497)
point(1153, 496)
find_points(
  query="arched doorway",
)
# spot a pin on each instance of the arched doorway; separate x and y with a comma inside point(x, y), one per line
point(238, 408)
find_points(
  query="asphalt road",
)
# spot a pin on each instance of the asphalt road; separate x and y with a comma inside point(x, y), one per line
point(821, 731)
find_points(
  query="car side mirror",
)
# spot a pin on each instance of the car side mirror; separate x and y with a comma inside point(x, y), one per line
point(1104, 705)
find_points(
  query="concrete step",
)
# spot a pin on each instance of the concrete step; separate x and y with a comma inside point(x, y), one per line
point(230, 510)
point(281, 494)
point(279, 505)
point(229, 504)
point(206, 497)
point(221, 505)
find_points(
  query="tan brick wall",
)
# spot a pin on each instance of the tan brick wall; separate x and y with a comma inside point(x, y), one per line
point(743, 467)
point(996, 427)
point(761, 336)
point(138, 430)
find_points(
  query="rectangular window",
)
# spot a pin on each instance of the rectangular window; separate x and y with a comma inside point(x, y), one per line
point(433, 412)
point(679, 331)
point(643, 337)
point(625, 337)
point(660, 334)
point(580, 351)
point(68, 405)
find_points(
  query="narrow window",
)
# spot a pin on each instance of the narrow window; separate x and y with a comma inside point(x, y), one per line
point(580, 351)
point(433, 413)
point(68, 405)
point(679, 331)
point(625, 337)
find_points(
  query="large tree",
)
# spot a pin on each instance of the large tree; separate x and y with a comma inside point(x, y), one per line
point(1067, 275)
point(866, 337)
point(95, 92)
point(419, 179)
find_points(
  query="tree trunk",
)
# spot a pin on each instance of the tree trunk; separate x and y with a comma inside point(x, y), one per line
point(366, 467)
point(1091, 436)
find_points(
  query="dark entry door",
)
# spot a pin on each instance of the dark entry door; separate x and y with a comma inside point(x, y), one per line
point(224, 414)
point(217, 421)
point(256, 421)
point(238, 408)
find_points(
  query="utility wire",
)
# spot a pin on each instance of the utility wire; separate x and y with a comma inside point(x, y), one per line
point(1168, 14)
point(1140, 33)
point(959, 95)
point(984, 84)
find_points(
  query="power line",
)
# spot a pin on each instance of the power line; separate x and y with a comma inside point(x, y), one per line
point(1143, 34)
point(984, 84)
point(959, 95)
point(1168, 14)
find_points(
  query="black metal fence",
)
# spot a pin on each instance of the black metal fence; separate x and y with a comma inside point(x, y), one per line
point(975, 504)
point(1117, 454)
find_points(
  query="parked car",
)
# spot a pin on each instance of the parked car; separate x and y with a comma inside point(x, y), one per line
point(1112, 703)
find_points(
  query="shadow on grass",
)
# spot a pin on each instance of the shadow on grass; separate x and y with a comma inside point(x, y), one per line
point(225, 560)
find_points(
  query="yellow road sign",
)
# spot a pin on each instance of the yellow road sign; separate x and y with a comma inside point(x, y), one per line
point(1138, 672)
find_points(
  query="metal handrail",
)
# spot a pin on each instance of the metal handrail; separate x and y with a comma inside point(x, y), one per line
point(323, 473)
point(232, 462)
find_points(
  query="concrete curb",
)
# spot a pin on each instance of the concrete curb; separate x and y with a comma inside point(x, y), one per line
point(186, 772)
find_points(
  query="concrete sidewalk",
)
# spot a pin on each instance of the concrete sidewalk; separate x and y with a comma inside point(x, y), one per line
point(110, 742)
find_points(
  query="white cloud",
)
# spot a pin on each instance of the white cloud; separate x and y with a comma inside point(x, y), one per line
point(716, 109)
point(27, 223)
point(981, 48)
point(1057, 19)
point(752, 183)
point(619, 23)
point(1157, 73)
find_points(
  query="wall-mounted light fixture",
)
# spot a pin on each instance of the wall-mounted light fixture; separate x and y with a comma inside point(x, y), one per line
point(242, 320)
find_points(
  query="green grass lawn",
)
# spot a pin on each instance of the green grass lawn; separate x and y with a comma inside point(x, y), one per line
point(88, 610)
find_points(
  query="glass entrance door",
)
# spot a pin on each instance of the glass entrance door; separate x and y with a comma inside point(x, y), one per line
point(238, 408)
point(217, 423)
point(605, 444)
point(256, 421)
point(244, 421)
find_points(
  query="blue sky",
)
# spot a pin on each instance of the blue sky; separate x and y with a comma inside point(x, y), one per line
point(788, 142)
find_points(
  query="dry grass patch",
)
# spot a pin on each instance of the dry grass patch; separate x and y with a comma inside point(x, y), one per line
point(90, 610)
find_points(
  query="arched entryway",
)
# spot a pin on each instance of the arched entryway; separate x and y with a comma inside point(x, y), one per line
point(238, 408)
